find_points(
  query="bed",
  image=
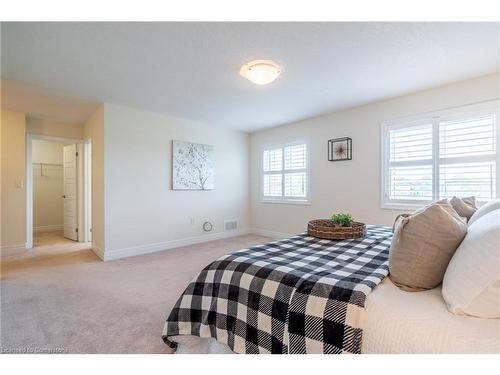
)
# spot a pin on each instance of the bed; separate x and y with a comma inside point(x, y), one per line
point(227, 308)
point(297, 295)
point(400, 322)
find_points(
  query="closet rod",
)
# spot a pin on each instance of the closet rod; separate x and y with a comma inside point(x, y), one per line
point(42, 164)
point(48, 164)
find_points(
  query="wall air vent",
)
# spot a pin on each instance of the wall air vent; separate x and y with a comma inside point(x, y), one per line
point(230, 225)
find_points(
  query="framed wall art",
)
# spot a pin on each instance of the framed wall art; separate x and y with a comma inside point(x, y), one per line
point(193, 166)
point(340, 149)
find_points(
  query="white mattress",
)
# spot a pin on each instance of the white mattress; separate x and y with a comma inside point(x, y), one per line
point(418, 322)
point(402, 322)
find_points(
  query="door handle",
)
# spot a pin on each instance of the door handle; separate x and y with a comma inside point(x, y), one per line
point(63, 196)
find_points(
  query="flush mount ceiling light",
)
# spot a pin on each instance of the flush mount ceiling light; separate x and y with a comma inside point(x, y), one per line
point(260, 72)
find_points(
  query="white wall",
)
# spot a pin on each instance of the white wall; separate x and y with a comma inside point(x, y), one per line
point(43, 126)
point(143, 213)
point(94, 132)
point(351, 186)
point(47, 185)
point(49, 152)
point(13, 173)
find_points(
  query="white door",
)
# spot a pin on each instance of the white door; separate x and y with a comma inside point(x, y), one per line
point(70, 196)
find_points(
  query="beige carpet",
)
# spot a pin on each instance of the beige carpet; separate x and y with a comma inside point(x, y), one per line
point(63, 296)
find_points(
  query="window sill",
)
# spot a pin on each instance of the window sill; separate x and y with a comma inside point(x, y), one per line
point(403, 206)
point(292, 202)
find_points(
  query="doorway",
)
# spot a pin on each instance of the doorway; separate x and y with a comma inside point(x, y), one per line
point(58, 191)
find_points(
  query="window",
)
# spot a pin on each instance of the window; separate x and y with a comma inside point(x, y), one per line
point(439, 156)
point(285, 174)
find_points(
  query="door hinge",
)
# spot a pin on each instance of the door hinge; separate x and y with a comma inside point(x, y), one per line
point(90, 230)
point(77, 154)
point(76, 230)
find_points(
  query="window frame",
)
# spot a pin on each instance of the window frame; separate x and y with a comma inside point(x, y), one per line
point(434, 118)
point(282, 199)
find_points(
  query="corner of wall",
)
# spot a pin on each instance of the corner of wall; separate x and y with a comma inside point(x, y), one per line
point(93, 130)
point(13, 173)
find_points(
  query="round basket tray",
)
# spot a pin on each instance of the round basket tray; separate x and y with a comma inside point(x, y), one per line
point(324, 228)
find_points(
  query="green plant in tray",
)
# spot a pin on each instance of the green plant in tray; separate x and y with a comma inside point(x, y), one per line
point(344, 220)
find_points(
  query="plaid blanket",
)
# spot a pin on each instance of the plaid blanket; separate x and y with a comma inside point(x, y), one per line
point(298, 295)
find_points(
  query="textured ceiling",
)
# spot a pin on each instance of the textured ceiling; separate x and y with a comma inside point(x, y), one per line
point(191, 70)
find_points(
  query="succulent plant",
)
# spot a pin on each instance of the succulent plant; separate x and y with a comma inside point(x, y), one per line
point(344, 220)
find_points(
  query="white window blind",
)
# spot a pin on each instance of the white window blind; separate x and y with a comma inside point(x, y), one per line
point(467, 157)
point(410, 163)
point(285, 173)
point(440, 157)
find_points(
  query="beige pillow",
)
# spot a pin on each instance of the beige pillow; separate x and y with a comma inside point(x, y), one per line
point(422, 246)
point(465, 207)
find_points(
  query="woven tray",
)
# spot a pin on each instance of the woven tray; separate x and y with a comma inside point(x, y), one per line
point(324, 228)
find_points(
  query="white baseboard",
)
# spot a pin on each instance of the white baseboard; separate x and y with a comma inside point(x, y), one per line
point(154, 247)
point(167, 245)
point(270, 233)
point(48, 228)
point(13, 250)
point(98, 251)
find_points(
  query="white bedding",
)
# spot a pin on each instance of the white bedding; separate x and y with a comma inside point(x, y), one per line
point(418, 322)
point(402, 322)
point(198, 345)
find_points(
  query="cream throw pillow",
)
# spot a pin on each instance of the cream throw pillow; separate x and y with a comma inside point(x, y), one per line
point(484, 209)
point(471, 284)
point(465, 207)
point(422, 246)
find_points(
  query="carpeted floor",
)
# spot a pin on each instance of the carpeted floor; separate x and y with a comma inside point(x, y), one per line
point(62, 297)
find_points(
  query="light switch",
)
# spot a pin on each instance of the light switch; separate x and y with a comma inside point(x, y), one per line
point(19, 183)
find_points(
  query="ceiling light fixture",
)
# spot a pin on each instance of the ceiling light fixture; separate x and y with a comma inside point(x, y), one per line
point(260, 72)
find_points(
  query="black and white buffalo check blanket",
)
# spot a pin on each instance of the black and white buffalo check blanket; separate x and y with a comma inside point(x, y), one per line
point(298, 295)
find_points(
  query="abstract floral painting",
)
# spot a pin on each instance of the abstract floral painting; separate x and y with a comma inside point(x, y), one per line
point(193, 166)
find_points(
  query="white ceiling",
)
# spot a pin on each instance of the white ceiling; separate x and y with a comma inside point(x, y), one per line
point(191, 70)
